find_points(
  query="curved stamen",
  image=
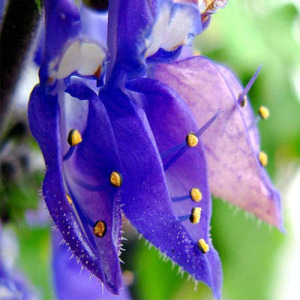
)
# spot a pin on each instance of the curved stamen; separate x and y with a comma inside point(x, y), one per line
point(74, 138)
point(241, 98)
point(181, 148)
point(69, 153)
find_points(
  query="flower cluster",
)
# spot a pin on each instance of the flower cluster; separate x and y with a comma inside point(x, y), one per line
point(130, 122)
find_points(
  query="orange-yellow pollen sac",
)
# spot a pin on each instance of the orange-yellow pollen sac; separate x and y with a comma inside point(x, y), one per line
point(99, 229)
point(69, 199)
point(264, 112)
point(74, 137)
point(195, 215)
point(192, 140)
point(263, 158)
point(196, 195)
point(116, 179)
point(203, 246)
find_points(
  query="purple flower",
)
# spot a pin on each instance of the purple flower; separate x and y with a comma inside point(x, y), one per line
point(120, 126)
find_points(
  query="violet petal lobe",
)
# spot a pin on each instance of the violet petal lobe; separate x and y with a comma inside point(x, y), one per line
point(145, 195)
point(70, 282)
point(127, 20)
point(44, 120)
point(235, 173)
point(88, 174)
point(171, 121)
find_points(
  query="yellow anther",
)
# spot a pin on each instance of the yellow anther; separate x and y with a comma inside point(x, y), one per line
point(263, 158)
point(195, 215)
point(192, 140)
point(196, 195)
point(99, 229)
point(116, 179)
point(244, 101)
point(74, 137)
point(203, 246)
point(264, 112)
point(69, 199)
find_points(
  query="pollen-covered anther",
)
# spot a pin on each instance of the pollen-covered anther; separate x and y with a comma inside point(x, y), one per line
point(264, 112)
point(263, 158)
point(99, 229)
point(116, 179)
point(74, 137)
point(203, 246)
point(69, 199)
point(196, 195)
point(195, 215)
point(192, 140)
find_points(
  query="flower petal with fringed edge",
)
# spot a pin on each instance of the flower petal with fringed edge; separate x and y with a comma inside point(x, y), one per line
point(232, 146)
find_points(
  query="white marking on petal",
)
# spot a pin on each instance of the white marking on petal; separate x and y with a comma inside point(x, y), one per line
point(178, 30)
point(92, 57)
point(175, 25)
point(84, 57)
point(69, 61)
point(158, 30)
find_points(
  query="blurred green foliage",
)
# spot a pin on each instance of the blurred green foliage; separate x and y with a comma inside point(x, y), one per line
point(242, 36)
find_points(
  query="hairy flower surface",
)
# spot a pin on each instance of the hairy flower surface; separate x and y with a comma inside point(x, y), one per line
point(120, 125)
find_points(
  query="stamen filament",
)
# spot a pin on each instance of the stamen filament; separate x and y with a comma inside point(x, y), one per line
point(184, 218)
point(248, 86)
point(69, 153)
point(171, 150)
point(183, 146)
point(181, 198)
point(208, 123)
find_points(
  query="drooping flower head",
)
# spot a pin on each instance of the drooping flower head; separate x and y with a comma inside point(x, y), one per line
point(118, 136)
